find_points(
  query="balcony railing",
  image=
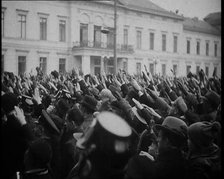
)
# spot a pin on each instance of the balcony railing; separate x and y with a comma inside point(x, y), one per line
point(102, 45)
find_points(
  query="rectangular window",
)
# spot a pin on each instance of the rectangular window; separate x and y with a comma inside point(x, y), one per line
point(207, 49)
point(62, 65)
point(110, 65)
point(97, 65)
point(84, 35)
point(97, 36)
point(151, 68)
point(139, 39)
point(3, 23)
point(175, 44)
point(43, 28)
point(163, 69)
point(110, 38)
point(62, 30)
point(125, 66)
point(163, 42)
point(188, 46)
point(175, 69)
point(125, 36)
point(198, 48)
point(197, 69)
point(206, 70)
point(215, 71)
point(43, 64)
point(2, 63)
point(215, 49)
point(188, 69)
point(21, 65)
point(22, 24)
point(151, 43)
point(138, 68)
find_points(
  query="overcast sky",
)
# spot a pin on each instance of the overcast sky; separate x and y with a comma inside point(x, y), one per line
point(191, 8)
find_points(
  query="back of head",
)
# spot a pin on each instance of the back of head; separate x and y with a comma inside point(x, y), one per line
point(202, 134)
point(9, 100)
point(175, 130)
point(38, 155)
point(75, 115)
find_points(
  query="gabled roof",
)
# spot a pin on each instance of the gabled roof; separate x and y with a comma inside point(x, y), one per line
point(199, 26)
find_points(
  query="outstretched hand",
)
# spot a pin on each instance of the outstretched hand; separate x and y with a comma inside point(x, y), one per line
point(137, 104)
point(19, 114)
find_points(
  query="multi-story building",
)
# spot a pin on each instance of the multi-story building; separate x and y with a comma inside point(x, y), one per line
point(62, 35)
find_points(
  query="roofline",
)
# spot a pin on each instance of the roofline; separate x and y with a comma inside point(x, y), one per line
point(158, 13)
point(201, 31)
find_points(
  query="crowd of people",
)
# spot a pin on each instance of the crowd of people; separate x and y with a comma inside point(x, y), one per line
point(76, 126)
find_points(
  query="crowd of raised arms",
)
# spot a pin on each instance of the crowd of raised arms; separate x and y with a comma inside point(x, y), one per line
point(82, 126)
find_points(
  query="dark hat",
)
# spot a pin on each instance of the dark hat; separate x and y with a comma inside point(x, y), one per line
point(75, 115)
point(41, 152)
point(202, 134)
point(124, 89)
point(174, 125)
point(62, 106)
point(213, 99)
point(55, 74)
point(89, 102)
point(9, 100)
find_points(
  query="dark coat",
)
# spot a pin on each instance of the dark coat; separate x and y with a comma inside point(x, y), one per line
point(206, 164)
point(15, 140)
point(170, 164)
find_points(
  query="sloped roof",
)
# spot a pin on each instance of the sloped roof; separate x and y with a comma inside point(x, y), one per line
point(145, 6)
point(150, 7)
point(199, 26)
point(213, 18)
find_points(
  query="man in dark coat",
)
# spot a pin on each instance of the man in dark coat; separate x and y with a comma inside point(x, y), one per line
point(170, 162)
point(16, 135)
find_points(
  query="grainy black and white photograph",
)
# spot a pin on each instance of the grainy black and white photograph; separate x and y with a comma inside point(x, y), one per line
point(111, 89)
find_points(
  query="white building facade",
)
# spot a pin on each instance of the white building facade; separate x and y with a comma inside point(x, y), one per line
point(62, 35)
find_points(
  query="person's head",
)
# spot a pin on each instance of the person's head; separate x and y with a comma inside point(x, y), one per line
point(75, 116)
point(38, 154)
point(9, 101)
point(106, 94)
point(111, 135)
point(88, 104)
point(62, 107)
point(211, 101)
point(172, 134)
point(202, 134)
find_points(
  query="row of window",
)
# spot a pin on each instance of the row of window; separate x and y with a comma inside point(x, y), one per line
point(22, 23)
point(198, 48)
point(188, 69)
point(42, 64)
point(164, 43)
point(97, 35)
